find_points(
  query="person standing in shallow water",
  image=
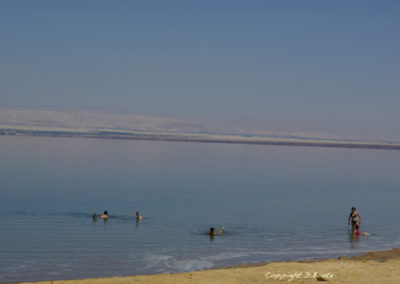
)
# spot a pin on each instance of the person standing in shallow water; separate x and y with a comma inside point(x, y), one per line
point(355, 218)
point(138, 216)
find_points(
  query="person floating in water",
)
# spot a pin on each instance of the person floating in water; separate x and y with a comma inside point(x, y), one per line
point(213, 232)
point(95, 216)
point(105, 215)
point(138, 216)
point(355, 218)
point(357, 231)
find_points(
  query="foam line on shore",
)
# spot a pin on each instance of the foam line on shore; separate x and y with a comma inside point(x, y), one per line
point(372, 267)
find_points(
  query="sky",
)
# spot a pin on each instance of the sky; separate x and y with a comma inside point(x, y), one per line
point(322, 66)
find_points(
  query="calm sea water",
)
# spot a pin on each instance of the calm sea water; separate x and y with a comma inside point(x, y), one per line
point(276, 203)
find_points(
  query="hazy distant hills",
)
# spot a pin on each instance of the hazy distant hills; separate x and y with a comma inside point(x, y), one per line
point(112, 125)
point(102, 120)
point(92, 120)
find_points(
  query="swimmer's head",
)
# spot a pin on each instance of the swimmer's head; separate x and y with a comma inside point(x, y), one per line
point(212, 230)
point(353, 209)
point(137, 213)
point(105, 212)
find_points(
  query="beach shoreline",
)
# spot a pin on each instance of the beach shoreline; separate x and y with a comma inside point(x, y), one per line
point(372, 267)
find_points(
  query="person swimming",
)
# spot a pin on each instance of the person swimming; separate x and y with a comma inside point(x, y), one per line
point(105, 215)
point(357, 231)
point(355, 218)
point(213, 232)
point(95, 216)
point(138, 216)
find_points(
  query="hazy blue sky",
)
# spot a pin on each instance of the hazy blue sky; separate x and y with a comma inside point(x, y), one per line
point(322, 65)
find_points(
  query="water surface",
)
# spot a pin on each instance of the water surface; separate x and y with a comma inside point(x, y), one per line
point(276, 203)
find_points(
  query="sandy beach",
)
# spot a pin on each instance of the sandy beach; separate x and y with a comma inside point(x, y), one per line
point(373, 267)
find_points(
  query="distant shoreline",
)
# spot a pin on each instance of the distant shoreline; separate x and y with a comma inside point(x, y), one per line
point(200, 138)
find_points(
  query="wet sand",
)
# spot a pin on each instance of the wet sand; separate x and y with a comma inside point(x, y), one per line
point(373, 267)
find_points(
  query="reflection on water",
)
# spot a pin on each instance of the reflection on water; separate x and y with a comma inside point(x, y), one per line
point(277, 203)
point(353, 239)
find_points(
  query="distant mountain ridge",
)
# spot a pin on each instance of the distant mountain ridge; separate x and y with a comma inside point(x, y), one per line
point(102, 121)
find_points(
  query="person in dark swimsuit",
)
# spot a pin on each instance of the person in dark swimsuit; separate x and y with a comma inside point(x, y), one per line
point(355, 218)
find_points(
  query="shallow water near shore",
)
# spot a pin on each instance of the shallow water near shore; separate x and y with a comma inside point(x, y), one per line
point(276, 203)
